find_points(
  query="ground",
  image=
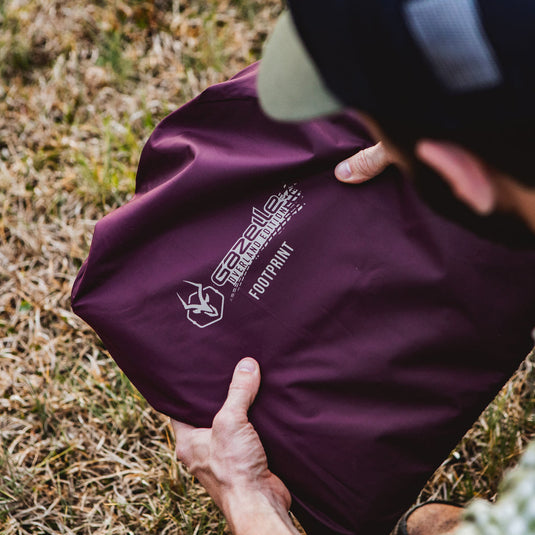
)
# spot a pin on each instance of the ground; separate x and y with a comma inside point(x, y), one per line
point(82, 85)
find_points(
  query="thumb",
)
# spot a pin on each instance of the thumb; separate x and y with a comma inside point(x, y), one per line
point(365, 164)
point(243, 388)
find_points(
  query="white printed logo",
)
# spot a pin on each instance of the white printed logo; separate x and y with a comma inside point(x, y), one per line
point(205, 306)
point(265, 225)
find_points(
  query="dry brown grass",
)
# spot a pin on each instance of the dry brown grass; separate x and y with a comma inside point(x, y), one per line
point(493, 445)
point(82, 84)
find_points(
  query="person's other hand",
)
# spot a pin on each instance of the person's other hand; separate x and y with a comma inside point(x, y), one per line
point(365, 164)
point(230, 462)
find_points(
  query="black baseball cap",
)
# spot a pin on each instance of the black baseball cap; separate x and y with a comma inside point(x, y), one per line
point(441, 64)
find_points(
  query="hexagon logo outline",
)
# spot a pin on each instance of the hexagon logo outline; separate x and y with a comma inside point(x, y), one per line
point(205, 306)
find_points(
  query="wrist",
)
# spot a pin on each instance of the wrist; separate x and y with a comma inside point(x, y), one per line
point(250, 512)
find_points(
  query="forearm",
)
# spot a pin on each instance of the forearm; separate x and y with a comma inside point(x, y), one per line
point(257, 515)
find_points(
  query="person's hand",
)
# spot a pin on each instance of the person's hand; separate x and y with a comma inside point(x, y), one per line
point(230, 462)
point(365, 164)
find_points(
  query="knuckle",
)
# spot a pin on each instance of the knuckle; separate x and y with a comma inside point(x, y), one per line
point(237, 387)
point(194, 468)
point(181, 452)
point(361, 163)
point(223, 419)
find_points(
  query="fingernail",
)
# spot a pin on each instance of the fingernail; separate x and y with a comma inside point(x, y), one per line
point(247, 365)
point(343, 171)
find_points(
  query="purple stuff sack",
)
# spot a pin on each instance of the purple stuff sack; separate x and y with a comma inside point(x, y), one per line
point(381, 329)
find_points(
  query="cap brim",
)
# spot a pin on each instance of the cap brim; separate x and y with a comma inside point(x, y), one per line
point(290, 87)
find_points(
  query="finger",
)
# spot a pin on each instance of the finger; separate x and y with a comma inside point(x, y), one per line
point(364, 165)
point(466, 174)
point(181, 430)
point(184, 437)
point(243, 389)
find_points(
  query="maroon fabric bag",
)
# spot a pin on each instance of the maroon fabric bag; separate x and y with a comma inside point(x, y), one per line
point(381, 329)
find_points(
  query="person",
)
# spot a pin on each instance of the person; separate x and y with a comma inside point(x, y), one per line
point(446, 86)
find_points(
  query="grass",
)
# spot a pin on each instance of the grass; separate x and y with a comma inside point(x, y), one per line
point(476, 466)
point(82, 85)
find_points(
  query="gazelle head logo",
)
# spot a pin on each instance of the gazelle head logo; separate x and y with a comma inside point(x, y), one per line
point(204, 306)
